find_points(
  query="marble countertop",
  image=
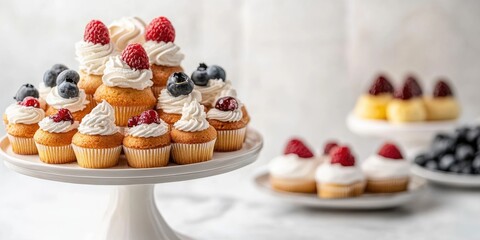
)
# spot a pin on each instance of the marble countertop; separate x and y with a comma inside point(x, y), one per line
point(229, 207)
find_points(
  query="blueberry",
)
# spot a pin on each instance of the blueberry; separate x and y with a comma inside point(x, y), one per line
point(421, 159)
point(464, 152)
point(443, 146)
point(460, 134)
point(70, 76)
point(50, 78)
point(473, 135)
point(26, 90)
point(68, 90)
point(58, 68)
point(179, 84)
point(446, 162)
point(200, 76)
point(431, 165)
point(476, 163)
point(216, 72)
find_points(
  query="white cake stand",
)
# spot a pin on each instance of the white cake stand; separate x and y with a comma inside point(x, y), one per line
point(133, 214)
point(413, 137)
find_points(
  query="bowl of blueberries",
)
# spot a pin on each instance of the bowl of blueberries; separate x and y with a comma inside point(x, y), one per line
point(452, 159)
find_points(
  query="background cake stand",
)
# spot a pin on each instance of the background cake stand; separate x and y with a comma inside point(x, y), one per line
point(413, 137)
point(133, 213)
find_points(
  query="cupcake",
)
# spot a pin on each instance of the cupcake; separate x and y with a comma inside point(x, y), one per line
point(373, 105)
point(387, 171)
point(341, 177)
point(407, 105)
point(226, 118)
point(125, 31)
point(49, 82)
point(26, 90)
point(193, 139)
point(98, 143)
point(231, 92)
point(210, 81)
point(294, 171)
point(165, 57)
point(126, 84)
point(92, 54)
point(54, 138)
point(172, 99)
point(147, 141)
point(22, 125)
point(68, 95)
point(327, 149)
point(442, 105)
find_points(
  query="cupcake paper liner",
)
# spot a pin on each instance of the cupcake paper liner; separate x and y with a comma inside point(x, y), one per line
point(147, 158)
point(327, 190)
point(387, 185)
point(230, 140)
point(23, 146)
point(184, 153)
point(56, 154)
point(293, 185)
point(122, 114)
point(97, 158)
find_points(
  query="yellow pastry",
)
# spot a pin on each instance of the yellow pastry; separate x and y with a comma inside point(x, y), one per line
point(406, 107)
point(442, 105)
point(373, 105)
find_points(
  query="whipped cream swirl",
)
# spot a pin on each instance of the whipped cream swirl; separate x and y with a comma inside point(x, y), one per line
point(291, 166)
point(212, 90)
point(127, 30)
point(336, 173)
point(43, 90)
point(164, 54)
point(92, 57)
point(73, 104)
point(118, 74)
point(174, 105)
point(24, 115)
point(101, 121)
point(48, 125)
point(148, 130)
point(193, 118)
point(225, 116)
point(378, 167)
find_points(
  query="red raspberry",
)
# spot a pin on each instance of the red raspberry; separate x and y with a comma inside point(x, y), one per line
point(296, 146)
point(412, 83)
point(135, 56)
point(133, 121)
point(404, 93)
point(63, 115)
point(160, 30)
point(30, 102)
point(149, 117)
point(329, 147)
point(442, 89)
point(381, 85)
point(226, 104)
point(96, 32)
point(390, 151)
point(343, 156)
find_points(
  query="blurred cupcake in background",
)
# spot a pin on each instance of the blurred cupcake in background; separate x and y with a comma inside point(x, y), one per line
point(92, 54)
point(22, 125)
point(125, 31)
point(165, 56)
point(54, 138)
point(442, 104)
point(373, 105)
point(408, 104)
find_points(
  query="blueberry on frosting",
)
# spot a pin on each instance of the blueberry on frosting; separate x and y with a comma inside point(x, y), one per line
point(200, 76)
point(58, 68)
point(70, 76)
point(179, 84)
point(216, 72)
point(50, 78)
point(68, 90)
point(26, 90)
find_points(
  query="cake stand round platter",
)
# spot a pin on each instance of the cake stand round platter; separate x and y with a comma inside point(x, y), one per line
point(133, 213)
point(416, 189)
point(413, 137)
point(447, 179)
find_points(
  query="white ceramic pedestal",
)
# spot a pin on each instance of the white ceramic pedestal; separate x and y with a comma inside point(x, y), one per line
point(133, 214)
point(413, 137)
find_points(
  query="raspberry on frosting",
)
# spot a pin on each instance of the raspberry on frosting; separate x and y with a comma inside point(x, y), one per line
point(442, 89)
point(413, 84)
point(296, 146)
point(134, 55)
point(30, 102)
point(381, 85)
point(96, 32)
point(342, 155)
point(390, 151)
point(160, 30)
point(329, 146)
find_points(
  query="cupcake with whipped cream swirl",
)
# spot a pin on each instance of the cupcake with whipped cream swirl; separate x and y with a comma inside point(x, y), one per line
point(68, 95)
point(193, 139)
point(98, 142)
point(147, 141)
point(127, 82)
point(125, 31)
point(211, 81)
point(92, 54)
point(226, 117)
point(22, 124)
point(54, 138)
point(231, 92)
point(165, 57)
point(172, 99)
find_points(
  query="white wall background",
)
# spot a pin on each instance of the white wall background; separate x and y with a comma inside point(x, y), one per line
point(299, 66)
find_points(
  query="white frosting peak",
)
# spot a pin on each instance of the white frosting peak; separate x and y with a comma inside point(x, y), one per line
point(225, 116)
point(92, 57)
point(336, 173)
point(101, 121)
point(164, 54)
point(24, 115)
point(127, 30)
point(291, 166)
point(174, 105)
point(212, 90)
point(148, 130)
point(378, 167)
point(73, 104)
point(48, 125)
point(119, 74)
point(193, 118)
